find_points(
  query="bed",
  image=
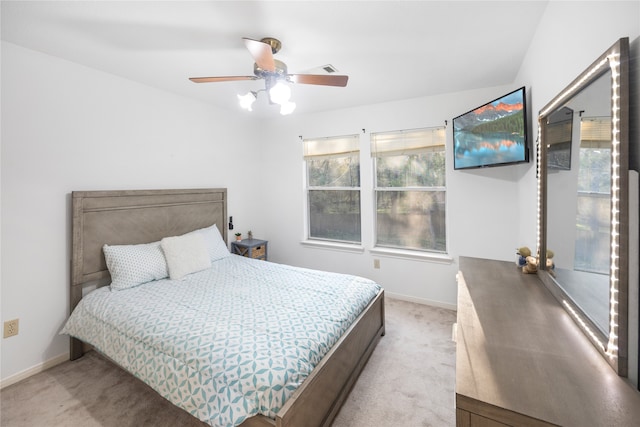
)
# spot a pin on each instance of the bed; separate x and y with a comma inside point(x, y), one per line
point(311, 394)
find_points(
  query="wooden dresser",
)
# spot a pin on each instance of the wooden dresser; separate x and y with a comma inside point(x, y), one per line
point(522, 361)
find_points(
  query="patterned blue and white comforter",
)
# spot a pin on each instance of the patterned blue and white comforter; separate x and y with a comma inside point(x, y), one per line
point(228, 342)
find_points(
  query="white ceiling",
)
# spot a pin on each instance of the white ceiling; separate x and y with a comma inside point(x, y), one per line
point(391, 50)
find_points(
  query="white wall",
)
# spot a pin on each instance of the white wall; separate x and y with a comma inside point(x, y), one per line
point(570, 36)
point(66, 127)
point(490, 211)
point(560, 50)
point(482, 208)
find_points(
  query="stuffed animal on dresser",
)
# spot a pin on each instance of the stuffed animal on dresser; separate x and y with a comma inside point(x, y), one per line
point(531, 263)
point(521, 256)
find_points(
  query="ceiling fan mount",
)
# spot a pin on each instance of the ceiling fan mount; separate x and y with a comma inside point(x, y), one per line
point(280, 70)
point(273, 42)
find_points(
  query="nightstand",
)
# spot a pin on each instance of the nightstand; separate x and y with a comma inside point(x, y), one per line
point(251, 248)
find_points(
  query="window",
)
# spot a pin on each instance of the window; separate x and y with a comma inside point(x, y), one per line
point(410, 189)
point(594, 194)
point(333, 188)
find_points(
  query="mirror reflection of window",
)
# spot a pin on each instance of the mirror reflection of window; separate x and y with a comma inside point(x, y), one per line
point(559, 136)
point(594, 191)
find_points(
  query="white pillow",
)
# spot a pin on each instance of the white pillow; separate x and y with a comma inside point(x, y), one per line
point(133, 265)
point(185, 254)
point(216, 247)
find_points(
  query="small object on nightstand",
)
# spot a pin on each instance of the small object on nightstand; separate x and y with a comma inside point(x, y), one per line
point(251, 248)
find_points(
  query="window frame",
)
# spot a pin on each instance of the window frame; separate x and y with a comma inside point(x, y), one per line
point(350, 147)
point(405, 146)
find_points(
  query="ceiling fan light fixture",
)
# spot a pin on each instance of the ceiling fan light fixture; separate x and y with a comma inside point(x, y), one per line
point(280, 93)
point(287, 108)
point(247, 100)
point(275, 75)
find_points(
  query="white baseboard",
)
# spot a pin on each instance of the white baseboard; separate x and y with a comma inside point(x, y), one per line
point(6, 382)
point(423, 301)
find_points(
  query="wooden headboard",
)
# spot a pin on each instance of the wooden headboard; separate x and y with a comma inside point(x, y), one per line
point(133, 217)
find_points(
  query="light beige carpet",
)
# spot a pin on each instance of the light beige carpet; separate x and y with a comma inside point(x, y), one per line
point(408, 381)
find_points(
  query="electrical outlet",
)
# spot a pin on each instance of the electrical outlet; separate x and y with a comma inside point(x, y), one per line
point(10, 328)
point(376, 263)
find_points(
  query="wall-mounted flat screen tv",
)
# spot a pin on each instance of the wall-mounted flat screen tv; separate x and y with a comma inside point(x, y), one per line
point(494, 134)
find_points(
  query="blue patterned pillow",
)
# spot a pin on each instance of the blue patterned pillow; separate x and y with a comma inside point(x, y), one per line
point(133, 265)
point(216, 247)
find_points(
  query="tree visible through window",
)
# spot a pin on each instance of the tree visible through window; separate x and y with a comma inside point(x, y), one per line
point(333, 189)
point(410, 189)
point(593, 217)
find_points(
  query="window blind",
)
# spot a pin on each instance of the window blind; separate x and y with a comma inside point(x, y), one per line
point(331, 146)
point(407, 141)
point(595, 132)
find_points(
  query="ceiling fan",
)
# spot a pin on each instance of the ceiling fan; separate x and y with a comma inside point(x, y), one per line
point(273, 72)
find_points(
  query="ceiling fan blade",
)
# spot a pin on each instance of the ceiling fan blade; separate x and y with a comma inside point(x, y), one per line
point(220, 79)
point(261, 53)
point(319, 79)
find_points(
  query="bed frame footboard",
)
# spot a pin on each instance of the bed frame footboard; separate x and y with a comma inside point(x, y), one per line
point(319, 398)
point(142, 216)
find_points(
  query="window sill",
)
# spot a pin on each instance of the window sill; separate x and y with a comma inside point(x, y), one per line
point(344, 247)
point(413, 255)
point(385, 252)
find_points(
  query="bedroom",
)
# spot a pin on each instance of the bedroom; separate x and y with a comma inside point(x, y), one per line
point(71, 127)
